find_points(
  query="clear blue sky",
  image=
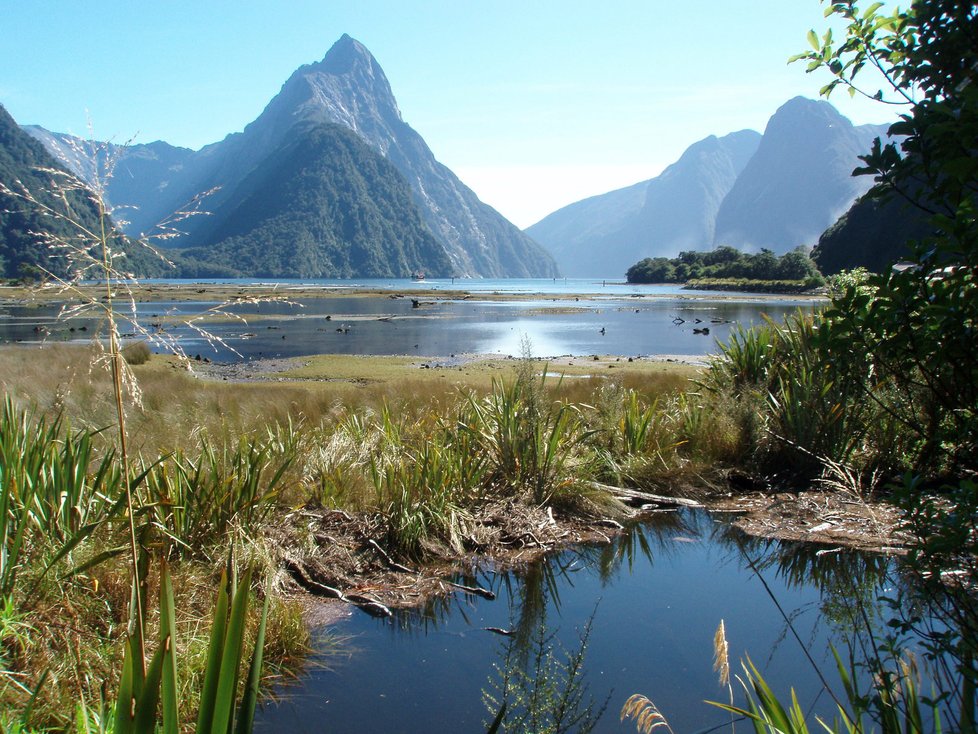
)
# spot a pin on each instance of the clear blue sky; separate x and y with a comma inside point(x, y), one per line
point(533, 104)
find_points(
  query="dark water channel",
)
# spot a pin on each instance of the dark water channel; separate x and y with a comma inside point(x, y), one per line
point(654, 598)
point(619, 324)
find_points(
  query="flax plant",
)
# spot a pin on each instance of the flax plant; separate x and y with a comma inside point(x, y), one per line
point(530, 447)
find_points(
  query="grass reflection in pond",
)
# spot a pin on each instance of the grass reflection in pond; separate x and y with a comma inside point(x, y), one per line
point(656, 599)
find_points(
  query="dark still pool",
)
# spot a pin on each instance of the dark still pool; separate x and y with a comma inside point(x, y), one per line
point(647, 605)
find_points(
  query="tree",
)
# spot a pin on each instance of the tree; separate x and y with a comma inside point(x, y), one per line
point(922, 325)
point(908, 340)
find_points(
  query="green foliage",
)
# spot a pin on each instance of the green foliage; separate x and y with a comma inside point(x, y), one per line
point(811, 406)
point(529, 443)
point(728, 264)
point(197, 501)
point(49, 500)
point(894, 703)
point(751, 285)
point(33, 185)
point(141, 690)
point(543, 692)
point(421, 495)
point(920, 326)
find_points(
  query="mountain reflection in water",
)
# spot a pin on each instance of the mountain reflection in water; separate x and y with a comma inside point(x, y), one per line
point(654, 597)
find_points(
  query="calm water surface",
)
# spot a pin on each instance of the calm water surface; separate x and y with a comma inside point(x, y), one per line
point(655, 598)
point(612, 319)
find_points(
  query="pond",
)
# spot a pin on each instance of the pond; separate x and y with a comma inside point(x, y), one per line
point(658, 320)
point(653, 598)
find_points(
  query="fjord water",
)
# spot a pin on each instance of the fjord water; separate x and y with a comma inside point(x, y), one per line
point(654, 598)
point(603, 318)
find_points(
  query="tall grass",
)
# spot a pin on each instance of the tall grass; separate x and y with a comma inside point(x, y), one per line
point(197, 500)
point(529, 444)
point(808, 403)
point(50, 500)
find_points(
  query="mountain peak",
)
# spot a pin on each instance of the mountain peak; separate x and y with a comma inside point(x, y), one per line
point(346, 55)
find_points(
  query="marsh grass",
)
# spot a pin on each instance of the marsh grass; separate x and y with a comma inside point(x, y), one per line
point(214, 465)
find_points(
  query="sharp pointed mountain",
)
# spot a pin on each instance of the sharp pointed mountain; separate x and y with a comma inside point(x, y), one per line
point(349, 88)
point(347, 91)
point(798, 182)
point(606, 234)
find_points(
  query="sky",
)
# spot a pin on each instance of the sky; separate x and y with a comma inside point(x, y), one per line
point(533, 104)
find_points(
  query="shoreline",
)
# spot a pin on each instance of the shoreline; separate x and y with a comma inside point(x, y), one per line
point(249, 292)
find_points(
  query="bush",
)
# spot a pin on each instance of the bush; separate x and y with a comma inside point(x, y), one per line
point(137, 353)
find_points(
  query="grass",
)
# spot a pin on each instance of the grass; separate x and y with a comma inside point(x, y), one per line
point(216, 465)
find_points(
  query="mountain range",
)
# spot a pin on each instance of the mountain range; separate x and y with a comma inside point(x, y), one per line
point(746, 190)
point(328, 181)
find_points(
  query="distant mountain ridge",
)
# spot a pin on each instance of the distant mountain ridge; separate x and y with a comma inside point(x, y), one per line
point(349, 90)
point(26, 163)
point(799, 182)
point(750, 191)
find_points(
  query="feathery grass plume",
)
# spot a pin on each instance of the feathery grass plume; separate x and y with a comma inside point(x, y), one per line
point(721, 659)
point(83, 253)
point(721, 664)
point(647, 716)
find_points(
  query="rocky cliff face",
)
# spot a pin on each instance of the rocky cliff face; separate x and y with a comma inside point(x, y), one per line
point(604, 235)
point(775, 191)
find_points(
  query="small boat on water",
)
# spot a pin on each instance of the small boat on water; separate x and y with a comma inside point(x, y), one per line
point(417, 276)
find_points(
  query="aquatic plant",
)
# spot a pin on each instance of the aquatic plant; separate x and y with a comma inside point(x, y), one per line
point(541, 691)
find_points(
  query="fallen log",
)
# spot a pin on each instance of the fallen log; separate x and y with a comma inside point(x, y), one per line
point(636, 495)
point(387, 559)
point(370, 606)
point(298, 573)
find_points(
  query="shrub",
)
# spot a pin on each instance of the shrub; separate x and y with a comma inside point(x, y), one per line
point(137, 353)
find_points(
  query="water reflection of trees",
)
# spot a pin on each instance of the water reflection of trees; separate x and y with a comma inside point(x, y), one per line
point(849, 582)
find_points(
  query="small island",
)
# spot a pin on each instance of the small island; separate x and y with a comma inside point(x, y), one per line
point(727, 268)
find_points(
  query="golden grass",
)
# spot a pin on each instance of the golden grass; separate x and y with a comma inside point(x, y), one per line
point(647, 717)
point(179, 407)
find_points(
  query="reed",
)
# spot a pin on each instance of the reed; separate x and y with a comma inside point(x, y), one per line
point(530, 445)
point(419, 496)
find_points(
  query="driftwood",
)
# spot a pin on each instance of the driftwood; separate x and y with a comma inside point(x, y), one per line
point(308, 583)
point(370, 606)
point(387, 559)
point(304, 578)
point(476, 590)
point(635, 495)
